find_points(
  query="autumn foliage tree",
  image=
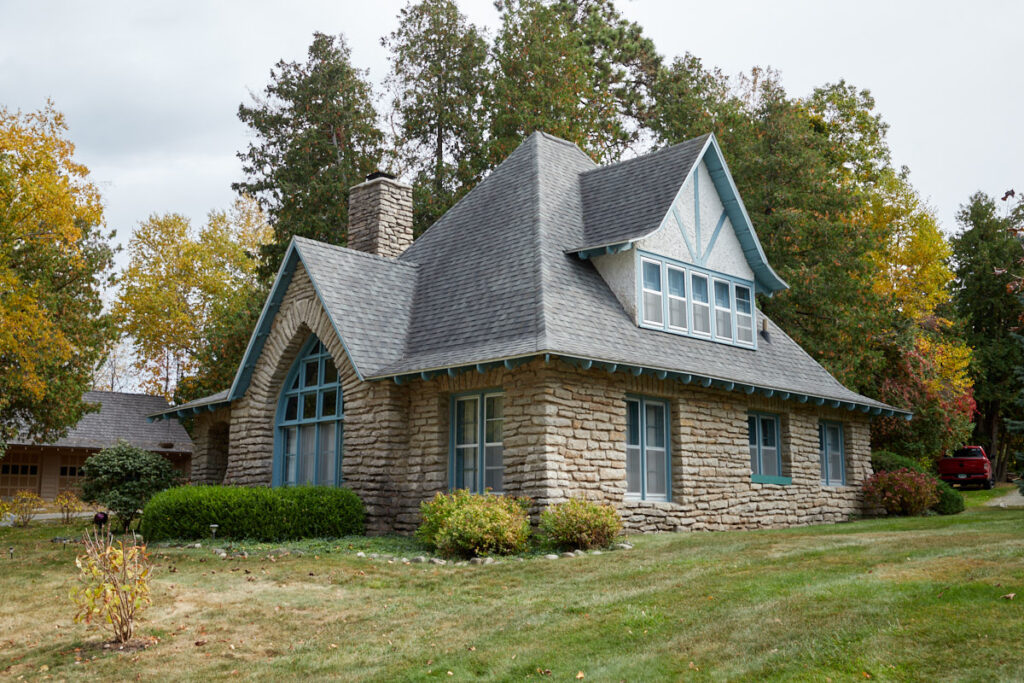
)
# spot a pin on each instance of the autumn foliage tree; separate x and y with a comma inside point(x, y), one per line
point(54, 260)
point(181, 283)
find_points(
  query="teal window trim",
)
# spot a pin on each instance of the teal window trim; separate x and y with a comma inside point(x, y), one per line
point(296, 387)
point(642, 402)
point(827, 476)
point(689, 270)
point(480, 447)
point(766, 479)
point(757, 475)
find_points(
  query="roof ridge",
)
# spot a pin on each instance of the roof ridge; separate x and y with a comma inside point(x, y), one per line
point(616, 164)
point(123, 393)
point(355, 252)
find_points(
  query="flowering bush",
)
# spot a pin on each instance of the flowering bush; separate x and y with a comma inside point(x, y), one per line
point(113, 584)
point(69, 505)
point(580, 524)
point(4, 509)
point(903, 492)
point(25, 506)
point(464, 524)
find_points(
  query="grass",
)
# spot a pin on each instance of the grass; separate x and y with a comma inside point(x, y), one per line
point(978, 497)
point(901, 599)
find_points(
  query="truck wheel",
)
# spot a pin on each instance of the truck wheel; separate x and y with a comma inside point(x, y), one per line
point(988, 484)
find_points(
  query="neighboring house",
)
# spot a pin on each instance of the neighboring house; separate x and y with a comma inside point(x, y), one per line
point(48, 469)
point(565, 330)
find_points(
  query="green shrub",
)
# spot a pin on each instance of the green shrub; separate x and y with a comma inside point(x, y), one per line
point(580, 524)
point(887, 461)
point(902, 492)
point(951, 502)
point(123, 478)
point(262, 514)
point(464, 524)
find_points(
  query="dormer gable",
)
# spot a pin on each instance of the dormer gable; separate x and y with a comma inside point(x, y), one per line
point(693, 237)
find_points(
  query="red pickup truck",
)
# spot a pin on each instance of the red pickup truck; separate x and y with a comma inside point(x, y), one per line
point(967, 465)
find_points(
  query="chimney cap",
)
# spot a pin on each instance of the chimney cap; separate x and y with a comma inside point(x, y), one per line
point(380, 174)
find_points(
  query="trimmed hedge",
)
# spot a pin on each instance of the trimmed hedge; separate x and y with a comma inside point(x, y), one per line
point(580, 525)
point(259, 514)
point(464, 524)
point(951, 501)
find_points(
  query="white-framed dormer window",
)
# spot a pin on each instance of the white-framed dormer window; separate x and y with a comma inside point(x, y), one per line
point(676, 298)
point(686, 299)
point(653, 313)
point(744, 316)
point(701, 304)
point(723, 310)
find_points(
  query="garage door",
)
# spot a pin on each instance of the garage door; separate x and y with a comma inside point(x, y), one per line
point(19, 473)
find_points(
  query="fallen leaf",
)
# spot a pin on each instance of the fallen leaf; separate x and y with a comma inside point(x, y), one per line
point(580, 675)
point(866, 674)
point(1009, 596)
point(200, 643)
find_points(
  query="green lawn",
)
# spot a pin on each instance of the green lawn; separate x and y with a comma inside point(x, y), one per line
point(977, 497)
point(905, 599)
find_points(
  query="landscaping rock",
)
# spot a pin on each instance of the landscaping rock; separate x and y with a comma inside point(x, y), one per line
point(360, 554)
point(438, 561)
point(419, 559)
point(478, 560)
point(622, 546)
point(578, 552)
point(551, 557)
point(405, 560)
point(596, 552)
point(568, 554)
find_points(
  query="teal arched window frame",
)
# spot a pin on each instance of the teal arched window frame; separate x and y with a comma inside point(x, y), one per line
point(308, 438)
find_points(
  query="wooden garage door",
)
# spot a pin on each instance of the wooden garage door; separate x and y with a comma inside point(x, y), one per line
point(19, 472)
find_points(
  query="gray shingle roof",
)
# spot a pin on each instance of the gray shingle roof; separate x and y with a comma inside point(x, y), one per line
point(369, 299)
point(494, 279)
point(628, 200)
point(123, 417)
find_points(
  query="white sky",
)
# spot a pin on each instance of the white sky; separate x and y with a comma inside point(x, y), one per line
point(151, 90)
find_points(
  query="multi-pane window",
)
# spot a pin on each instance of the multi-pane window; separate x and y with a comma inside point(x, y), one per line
point(744, 315)
point(765, 453)
point(309, 420)
point(686, 300)
point(676, 298)
point(723, 310)
point(477, 452)
point(701, 305)
point(652, 293)
point(833, 466)
point(647, 453)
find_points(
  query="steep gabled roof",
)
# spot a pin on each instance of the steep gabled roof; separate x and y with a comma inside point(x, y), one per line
point(123, 416)
point(368, 299)
point(498, 278)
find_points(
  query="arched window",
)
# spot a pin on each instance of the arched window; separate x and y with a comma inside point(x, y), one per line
point(308, 438)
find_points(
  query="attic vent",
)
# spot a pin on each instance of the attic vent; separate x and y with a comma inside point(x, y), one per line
point(167, 444)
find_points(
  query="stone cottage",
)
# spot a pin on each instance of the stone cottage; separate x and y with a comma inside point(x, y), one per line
point(565, 330)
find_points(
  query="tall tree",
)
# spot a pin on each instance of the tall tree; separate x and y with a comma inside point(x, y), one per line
point(985, 253)
point(575, 69)
point(316, 135)
point(54, 260)
point(438, 74)
point(179, 283)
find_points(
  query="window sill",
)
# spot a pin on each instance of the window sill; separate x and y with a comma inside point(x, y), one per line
point(766, 479)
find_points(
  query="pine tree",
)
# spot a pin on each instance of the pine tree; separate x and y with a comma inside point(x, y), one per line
point(316, 135)
point(438, 73)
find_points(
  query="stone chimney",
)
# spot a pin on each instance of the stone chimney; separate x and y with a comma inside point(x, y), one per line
point(380, 215)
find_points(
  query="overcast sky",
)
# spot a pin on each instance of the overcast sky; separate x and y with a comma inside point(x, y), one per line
point(151, 90)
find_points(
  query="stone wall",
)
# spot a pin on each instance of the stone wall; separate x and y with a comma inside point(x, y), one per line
point(211, 436)
point(564, 436)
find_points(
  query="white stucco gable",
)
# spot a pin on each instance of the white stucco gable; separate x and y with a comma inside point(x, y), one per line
point(697, 229)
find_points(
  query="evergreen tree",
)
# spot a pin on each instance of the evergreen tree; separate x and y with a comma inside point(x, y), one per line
point(575, 69)
point(316, 136)
point(985, 253)
point(438, 73)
